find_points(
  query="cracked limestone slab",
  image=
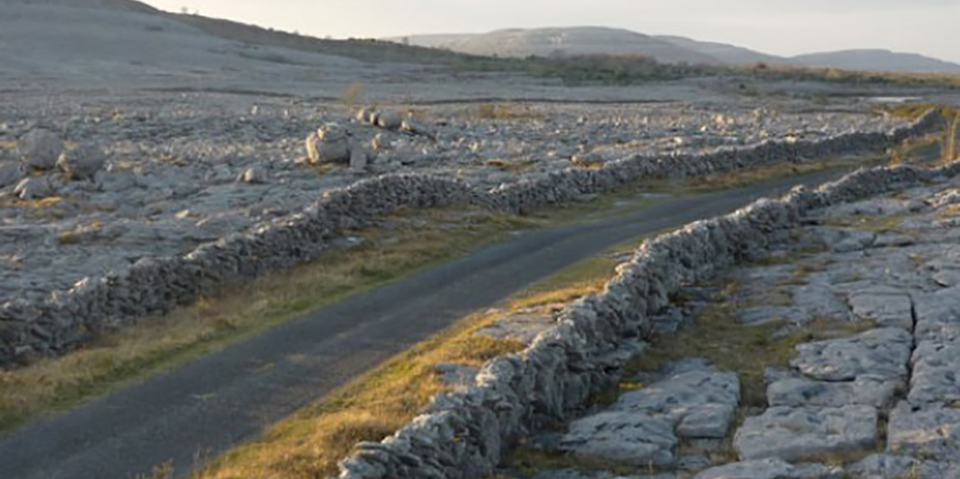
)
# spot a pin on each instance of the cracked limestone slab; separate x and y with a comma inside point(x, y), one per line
point(938, 315)
point(795, 434)
point(879, 352)
point(701, 403)
point(771, 469)
point(936, 366)
point(932, 432)
point(819, 300)
point(887, 309)
point(888, 466)
point(864, 390)
point(627, 437)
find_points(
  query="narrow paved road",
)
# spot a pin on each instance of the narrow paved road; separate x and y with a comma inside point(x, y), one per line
point(203, 408)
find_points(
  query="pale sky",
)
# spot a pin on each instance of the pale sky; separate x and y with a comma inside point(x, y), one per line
point(784, 27)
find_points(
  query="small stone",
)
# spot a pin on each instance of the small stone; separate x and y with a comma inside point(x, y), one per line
point(413, 125)
point(10, 173)
point(358, 158)
point(40, 149)
point(328, 145)
point(33, 189)
point(82, 162)
point(251, 175)
point(390, 120)
point(377, 143)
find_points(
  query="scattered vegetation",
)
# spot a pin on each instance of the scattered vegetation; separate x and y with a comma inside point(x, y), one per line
point(723, 341)
point(950, 150)
point(352, 95)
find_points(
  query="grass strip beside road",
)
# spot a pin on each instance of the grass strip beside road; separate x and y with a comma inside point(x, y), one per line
point(374, 406)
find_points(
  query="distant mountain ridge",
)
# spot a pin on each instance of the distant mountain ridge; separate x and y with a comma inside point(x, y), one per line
point(569, 41)
point(547, 42)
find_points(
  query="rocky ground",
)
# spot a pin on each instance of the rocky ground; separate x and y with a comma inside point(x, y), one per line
point(854, 328)
point(160, 174)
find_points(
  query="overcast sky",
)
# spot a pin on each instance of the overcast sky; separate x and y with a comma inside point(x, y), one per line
point(785, 27)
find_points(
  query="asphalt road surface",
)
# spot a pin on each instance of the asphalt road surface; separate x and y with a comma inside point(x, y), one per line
point(198, 410)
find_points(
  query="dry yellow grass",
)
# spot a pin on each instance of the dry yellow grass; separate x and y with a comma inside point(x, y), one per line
point(310, 443)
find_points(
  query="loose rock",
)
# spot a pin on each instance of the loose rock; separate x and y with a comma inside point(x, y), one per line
point(82, 162)
point(40, 149)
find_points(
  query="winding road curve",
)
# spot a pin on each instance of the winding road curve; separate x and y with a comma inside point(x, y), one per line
point(204, 407)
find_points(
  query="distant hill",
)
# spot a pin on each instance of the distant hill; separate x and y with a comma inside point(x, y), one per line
point(729, 54)
point(876, 60)
point(547, 42)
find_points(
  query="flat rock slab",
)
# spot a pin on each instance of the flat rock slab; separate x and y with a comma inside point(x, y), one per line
point(864, 390)
point(771, 469)
point(881, 352)
point(933, 432)
point(886, 309)
point(936, 366)
point(938, 315)
point(819, 300)
point(794, 434)
point(887, 466)
point(628, 437)
point(701, 403)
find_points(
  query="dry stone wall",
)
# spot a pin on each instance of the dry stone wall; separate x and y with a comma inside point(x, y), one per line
point(462, 434)
point(156, 285)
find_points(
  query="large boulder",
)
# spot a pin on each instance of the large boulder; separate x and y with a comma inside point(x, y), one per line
point(82, 162)
point(40, 149)
point(329, 144)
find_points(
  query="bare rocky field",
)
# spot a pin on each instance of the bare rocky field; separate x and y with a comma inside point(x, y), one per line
point(851, 327)
point(172, 172)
